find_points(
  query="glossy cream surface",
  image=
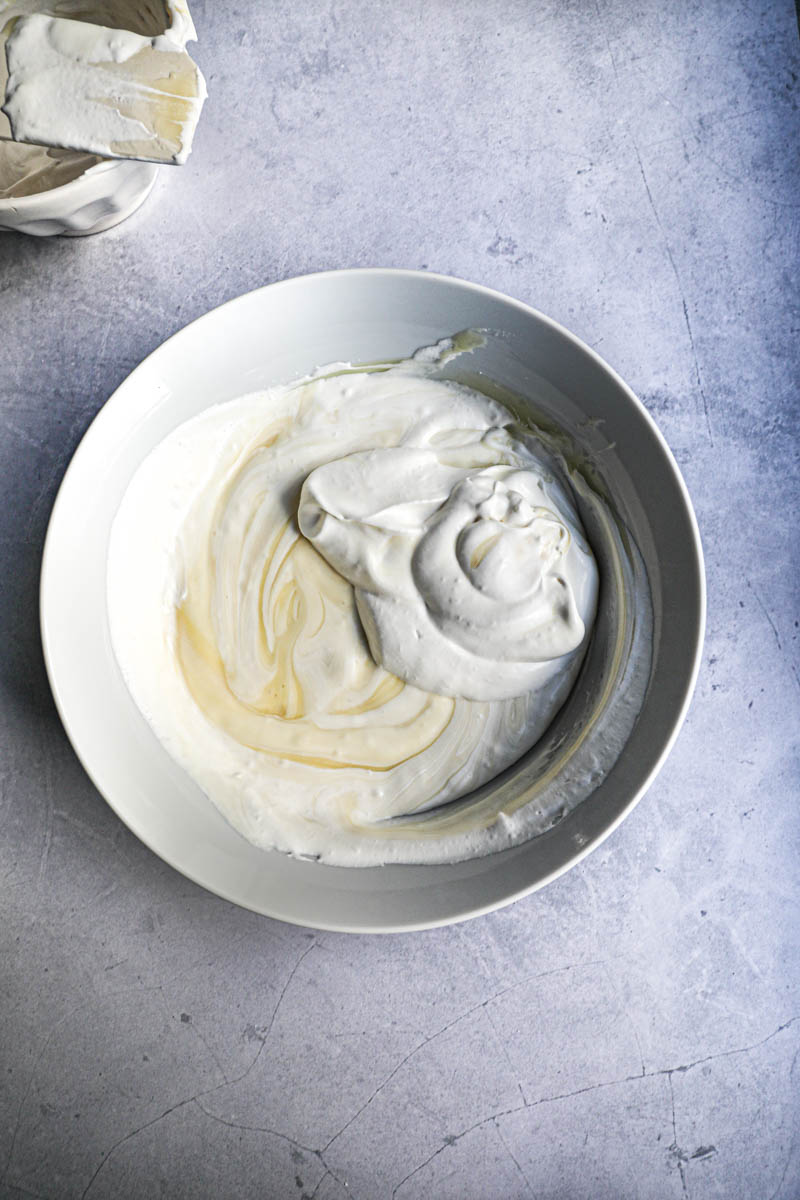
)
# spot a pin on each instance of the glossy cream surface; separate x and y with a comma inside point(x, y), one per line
point(347, 600)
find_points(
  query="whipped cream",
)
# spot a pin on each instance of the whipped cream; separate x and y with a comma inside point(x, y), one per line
point(107, 91)
point(344, 603)
point(471, 575)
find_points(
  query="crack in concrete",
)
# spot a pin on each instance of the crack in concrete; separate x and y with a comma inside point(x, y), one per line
point(319, 1154)
point(668, 1071)
point(169, 1014)
point(127, 1138)
point(451, 1141)
point(433, 1036)
point(320, 1182)
point(206, 1091)
point(61, 1021)
point(265, 1035)
point(674, 1149)
point(284, 1137)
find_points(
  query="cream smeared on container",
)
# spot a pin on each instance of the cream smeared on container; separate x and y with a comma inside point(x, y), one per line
point(45, 190)
point(112, 92)
point(344, 603)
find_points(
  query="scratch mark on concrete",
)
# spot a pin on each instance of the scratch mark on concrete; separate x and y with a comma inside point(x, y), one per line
point(606, 39)
point(169, 1016)
point(779, 1188)
point(766, 613)
point(48, 824)
point(87, 830)
point(217, 1063)
point(103, 894)
point(26, 1192)
point(681, 292)
point(792, 1144)
point(273, 107)
point(21, 433)
point(512, 1156)
point(625, 1011)
point(504, 1050)
point(42, 501)
point(101, 349)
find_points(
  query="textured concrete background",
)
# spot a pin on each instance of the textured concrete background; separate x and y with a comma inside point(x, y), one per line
point(632, 1031)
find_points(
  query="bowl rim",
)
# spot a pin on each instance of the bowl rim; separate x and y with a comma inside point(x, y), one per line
point(36, 199)
point(686, 693)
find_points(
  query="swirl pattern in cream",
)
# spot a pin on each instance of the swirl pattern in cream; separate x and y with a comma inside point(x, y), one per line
point(243, 641)
point(467, 581)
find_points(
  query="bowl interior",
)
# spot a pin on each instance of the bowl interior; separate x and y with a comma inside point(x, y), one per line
point(271, 336)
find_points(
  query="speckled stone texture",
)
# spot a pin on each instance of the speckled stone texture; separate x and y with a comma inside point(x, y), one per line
point(633, 1030)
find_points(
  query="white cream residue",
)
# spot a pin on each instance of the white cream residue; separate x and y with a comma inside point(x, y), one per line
point(433, 522)
point(109, 91)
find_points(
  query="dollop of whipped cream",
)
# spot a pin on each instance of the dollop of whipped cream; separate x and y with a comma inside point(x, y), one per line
point(344, 603)
point(469, 579)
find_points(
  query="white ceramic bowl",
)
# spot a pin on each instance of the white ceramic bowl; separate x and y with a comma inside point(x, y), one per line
point(109, 192)
point(271, 336)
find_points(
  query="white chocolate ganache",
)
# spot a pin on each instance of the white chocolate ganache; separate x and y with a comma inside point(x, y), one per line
point(345, 603)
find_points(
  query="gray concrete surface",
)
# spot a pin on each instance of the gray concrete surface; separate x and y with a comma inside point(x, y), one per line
point(633, 1030)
